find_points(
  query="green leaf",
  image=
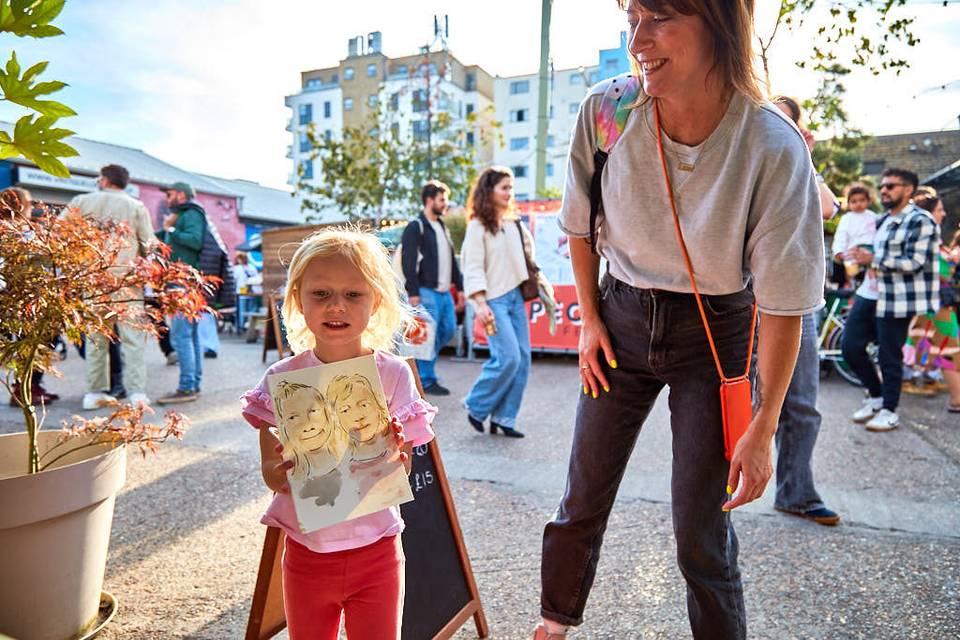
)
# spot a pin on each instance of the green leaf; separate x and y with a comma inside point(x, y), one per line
point(40, 143)
point(30, 18)
point(22, 91)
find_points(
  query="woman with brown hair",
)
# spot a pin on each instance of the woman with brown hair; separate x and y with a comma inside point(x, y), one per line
point(705, 209)
point(494, 266)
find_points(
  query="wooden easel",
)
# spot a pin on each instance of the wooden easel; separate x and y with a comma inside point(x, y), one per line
point(267, 617)
point(272, 330)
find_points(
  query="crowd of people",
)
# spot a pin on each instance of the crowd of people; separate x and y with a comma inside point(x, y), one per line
point(115, 365)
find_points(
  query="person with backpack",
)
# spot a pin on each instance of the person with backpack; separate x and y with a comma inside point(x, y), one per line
point(183, 230)
point(700, 197)
point(429, 269)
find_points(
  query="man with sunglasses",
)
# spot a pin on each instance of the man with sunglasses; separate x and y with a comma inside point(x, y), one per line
point(904, 284)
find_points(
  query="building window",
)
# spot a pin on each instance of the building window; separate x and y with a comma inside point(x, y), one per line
point(519, 144)
point(306, 113)
point(395, 130)
point(304, 142)
point(401, 70)
point(873, 167)
point(421, 130)
point(518, 115)
point(551, 112)
point(371, 70)
point(348, 104)
point(519, 171)
point(334, 78)
point(470, 139)
point(326, 109)
point(519, 86)
point(522, 197)
point(576, 78)
point(313, 83)
point(574, 107)
point(470, 108)
point(327, 135)
point(419, 100)
point(471, 82)
point(372, 100)
point(306, 170)
point(549, 169)
point(394, 101)
point(348, 73)
point(550, 141)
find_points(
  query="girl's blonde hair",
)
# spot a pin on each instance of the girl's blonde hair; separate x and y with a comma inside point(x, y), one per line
point(337, 443)
point(342, 387)
point(391, 316)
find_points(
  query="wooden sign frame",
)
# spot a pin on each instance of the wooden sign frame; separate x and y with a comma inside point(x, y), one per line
point(266, 611)
point(271, 324)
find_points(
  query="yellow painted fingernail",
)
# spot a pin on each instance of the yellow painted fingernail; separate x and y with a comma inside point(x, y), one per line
point(595, 396)
point(585, 390)
point(725, 509)
point(729, 490)
point(607, 389)
point(613, 364)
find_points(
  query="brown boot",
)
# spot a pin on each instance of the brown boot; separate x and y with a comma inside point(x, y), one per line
point(540, 633)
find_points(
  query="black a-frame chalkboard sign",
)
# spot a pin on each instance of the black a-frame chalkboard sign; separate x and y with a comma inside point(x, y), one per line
point(441, 594)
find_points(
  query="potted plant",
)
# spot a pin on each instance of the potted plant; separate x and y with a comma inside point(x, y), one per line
point(59, 275)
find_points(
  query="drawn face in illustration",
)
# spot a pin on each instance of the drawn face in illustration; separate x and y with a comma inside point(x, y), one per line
point(308, 427)
point(359, 413)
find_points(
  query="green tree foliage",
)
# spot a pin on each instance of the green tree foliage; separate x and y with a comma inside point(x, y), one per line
point(374, 171)
point(854, 33)
point(34, 135)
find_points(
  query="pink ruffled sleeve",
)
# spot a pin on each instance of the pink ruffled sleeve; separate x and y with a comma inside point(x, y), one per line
point(256, 406)
point(415, 414)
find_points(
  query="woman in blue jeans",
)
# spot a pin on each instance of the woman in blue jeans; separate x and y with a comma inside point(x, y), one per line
point(494, 266)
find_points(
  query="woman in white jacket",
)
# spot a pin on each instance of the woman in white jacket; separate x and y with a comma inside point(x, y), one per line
point(493, 269)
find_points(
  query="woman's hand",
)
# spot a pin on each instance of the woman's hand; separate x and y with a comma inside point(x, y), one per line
point(594, 344)
point(752, 457)
point(275, 472)
point(484, 312)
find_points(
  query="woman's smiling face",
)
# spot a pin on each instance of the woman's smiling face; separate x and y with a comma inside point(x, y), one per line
point(359, 413)
point(306, 422)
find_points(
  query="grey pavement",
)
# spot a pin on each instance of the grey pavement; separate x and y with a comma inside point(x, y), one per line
point(186, 537)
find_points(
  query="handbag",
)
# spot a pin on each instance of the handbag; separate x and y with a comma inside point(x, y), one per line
point(736, 394)
point(529, 288)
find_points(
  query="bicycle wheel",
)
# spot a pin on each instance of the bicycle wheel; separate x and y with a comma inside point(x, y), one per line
point(832, 343)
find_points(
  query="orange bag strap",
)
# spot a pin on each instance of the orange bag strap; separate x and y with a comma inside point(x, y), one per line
point(686, 260)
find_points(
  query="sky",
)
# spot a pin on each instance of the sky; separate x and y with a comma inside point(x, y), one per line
point(202, 84)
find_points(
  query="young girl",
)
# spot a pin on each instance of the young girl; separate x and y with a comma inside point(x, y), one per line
point(855, 230)
point(317, 443)
point(342, 301)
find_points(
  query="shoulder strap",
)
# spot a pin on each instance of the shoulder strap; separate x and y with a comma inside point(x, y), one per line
point(611, 119)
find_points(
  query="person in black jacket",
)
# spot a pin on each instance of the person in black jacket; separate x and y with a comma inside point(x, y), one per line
point(430, 268)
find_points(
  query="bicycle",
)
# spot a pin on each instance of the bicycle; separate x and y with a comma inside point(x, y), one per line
point(831, 335)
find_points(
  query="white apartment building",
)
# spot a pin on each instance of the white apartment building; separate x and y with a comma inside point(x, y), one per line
point(406, 89)
point(517, 98)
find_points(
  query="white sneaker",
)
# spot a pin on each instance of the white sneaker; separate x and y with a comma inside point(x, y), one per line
point(138, 398)
point(886, 420)
point(96, 400)
point(867, 410)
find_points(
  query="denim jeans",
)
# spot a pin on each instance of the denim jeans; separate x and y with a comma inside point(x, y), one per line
point(207, 331)
point(659, 340)
point(439, 304)
point(798, 428)
point(185, 338)
point(863, 327)
point(498, 391)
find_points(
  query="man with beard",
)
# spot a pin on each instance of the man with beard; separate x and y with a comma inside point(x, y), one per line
point(430, 268)
point(904, 283)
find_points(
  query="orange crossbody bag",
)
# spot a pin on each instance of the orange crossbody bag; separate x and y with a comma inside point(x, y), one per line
point(736, 394)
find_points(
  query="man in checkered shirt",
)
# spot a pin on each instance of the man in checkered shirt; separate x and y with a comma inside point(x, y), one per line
point(905, 284)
